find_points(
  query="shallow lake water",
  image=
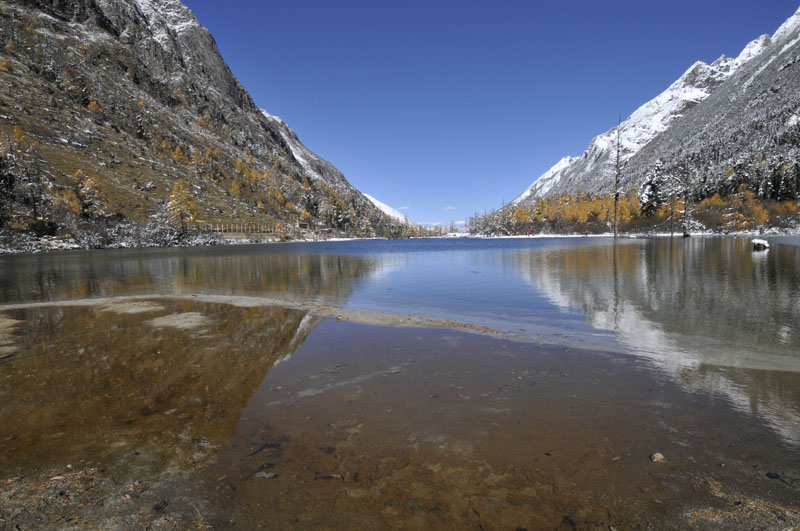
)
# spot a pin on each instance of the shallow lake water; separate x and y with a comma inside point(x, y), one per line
point(517, 383)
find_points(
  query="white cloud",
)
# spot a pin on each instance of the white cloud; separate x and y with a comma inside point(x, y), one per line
point(404, 208)
point(460, 223)
point(449, 207)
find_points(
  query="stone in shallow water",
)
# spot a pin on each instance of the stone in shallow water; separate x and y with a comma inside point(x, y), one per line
point(657, 458)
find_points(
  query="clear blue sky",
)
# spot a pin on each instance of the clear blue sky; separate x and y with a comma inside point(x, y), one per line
point(451, 107)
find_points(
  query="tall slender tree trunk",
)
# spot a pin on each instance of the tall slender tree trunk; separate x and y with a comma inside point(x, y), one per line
point(672, 216)
point(616, 181)
point(33, 202)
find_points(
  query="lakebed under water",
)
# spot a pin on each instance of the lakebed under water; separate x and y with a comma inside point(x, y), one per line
point(418, 384)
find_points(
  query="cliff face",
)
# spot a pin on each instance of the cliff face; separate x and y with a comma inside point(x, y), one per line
point(716, 127)
point(106, 104)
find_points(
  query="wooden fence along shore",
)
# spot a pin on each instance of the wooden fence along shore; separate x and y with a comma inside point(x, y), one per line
point(244, 230)
point(237, 228)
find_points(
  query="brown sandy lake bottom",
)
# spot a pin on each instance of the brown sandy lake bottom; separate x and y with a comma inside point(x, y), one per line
point(173, 413)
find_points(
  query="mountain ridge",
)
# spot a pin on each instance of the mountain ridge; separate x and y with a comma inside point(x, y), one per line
point(127, 99)
point(594, 170)
point(389, 211)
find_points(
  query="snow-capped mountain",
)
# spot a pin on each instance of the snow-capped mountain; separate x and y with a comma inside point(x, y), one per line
point(389, 211)
point(594, 170)
point(745, 132)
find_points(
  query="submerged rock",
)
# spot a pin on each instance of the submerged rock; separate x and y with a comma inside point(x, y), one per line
point(657, 458)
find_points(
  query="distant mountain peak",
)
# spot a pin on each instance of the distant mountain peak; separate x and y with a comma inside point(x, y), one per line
point(754, 48)
point(788, 28)
point(543, 184)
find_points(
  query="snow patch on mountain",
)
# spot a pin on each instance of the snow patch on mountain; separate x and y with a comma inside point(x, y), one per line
point(790, 44)
point(754, 49)
point(300, 152)
point(272, 117)
point(167, 19)
point(386, 209)
point(788, 28)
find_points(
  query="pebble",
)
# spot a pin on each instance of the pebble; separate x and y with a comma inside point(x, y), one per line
point(657, 458)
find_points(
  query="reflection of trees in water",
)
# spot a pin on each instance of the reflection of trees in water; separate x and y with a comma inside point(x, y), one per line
point(94, 383)
point(709, 311)
point(327, 278)
point(712, 287)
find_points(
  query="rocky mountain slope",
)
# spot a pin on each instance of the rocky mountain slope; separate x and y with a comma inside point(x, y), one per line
point(121, 122)
point(718, 126)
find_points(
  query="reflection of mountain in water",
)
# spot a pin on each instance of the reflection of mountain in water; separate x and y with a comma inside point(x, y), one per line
point(714, 315)
point(153, 382)
point(321, 278)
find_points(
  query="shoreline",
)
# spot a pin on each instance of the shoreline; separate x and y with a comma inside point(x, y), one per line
point(58, 245)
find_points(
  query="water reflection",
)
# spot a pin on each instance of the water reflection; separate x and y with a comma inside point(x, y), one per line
point(709, 311)
point(319, 278)
point(139, 384)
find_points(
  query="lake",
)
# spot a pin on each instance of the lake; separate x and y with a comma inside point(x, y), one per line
point(448, 383)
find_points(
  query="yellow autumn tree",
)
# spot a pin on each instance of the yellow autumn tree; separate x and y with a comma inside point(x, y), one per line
point(181, 206)
point(178, 155)
point(240, 167)
point(521, 218)
point(746, 212)
point(20, 137)
point(67, 201)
